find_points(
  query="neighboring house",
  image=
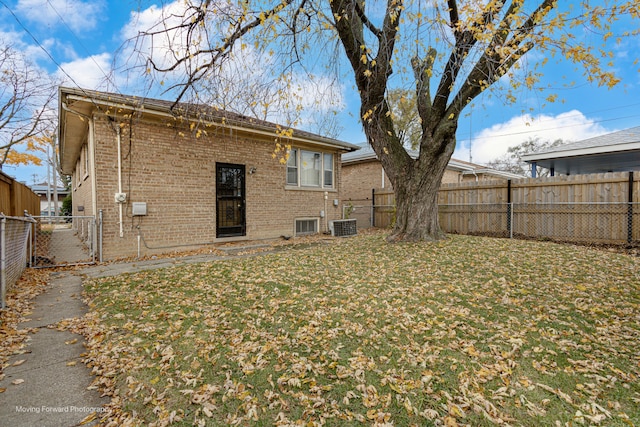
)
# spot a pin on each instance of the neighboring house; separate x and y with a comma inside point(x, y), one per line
point(362, 173)
point(47, 199)
point(613, 152)
point(168, 179)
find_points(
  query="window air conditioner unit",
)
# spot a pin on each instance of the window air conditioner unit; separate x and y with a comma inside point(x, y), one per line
point(343, 227)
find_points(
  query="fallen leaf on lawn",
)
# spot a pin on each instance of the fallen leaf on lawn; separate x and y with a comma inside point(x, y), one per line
point(450, 422)
point(19, 362)
point(86, 420)
point(73, 341)
point(2, 390)
point(72, 363)
point(17, 382)
point(388, 335)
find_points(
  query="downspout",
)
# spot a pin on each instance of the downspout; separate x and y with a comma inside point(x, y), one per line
point(325, 213)
point(120, 205)
point(469, 172)
point(91, 152)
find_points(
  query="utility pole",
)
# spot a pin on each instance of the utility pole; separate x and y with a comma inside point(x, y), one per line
point(54, 162)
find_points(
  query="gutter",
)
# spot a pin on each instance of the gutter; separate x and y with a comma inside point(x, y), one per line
point(238, 126)
point(606, 149)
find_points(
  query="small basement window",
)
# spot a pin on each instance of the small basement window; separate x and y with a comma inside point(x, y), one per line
point(306, 226)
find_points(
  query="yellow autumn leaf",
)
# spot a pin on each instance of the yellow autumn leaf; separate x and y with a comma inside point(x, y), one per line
point(89, 418)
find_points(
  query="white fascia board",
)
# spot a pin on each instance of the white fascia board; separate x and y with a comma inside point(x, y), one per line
point(488, 171)
point(247, 127)
point(453, 164)
point(602, 149)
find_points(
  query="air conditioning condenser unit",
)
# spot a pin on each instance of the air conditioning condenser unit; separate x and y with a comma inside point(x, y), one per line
point(343, 227)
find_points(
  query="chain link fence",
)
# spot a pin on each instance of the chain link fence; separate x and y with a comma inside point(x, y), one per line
point(587, 223)
point(14, 241)
point(363, 214)
point(63, 241)
point(603, 223)
point(607, 223)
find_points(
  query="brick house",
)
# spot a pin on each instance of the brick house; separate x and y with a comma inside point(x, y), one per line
point(362, 172)
point(172, 179)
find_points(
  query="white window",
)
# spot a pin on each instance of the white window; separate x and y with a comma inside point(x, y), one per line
point(328, 170)
point(292, 167)
point(309, 169)
point(85, 154)
point(85, 160)
point(311, 166)
point(306, 226)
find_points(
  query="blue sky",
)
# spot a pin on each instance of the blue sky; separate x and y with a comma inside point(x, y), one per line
point(77, 41)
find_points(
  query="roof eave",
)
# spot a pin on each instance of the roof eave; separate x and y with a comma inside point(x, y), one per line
point(160, 110)
point(581, 152)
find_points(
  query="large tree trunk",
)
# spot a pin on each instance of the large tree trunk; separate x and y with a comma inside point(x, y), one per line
point(417, 203)
point(415, 181)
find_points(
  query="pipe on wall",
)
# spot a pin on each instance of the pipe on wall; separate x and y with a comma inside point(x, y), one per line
point(120, 205)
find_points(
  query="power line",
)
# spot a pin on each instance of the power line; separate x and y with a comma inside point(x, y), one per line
point(48, 54)
point(470, 134)
point(112, 82)
point(557, 127)
point(38, 43)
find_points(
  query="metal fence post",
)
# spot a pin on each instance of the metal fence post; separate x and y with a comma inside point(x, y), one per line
point(509, 210)
point(100, 233)
point(3, 263)
point(31, 239)
point(511, 220)
point(630, 210)
point(373, 207)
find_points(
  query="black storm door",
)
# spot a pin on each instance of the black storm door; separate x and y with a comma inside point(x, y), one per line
point(230, 200)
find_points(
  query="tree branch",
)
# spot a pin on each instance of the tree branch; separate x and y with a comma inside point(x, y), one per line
point(218, 52)
point(464, 42)
point(423, 70)
point(454, 18)
point(367, 23)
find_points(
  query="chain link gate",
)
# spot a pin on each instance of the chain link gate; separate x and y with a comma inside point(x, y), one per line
point(63, 241)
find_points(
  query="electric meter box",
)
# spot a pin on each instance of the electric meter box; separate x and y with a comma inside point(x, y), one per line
point(139, 208)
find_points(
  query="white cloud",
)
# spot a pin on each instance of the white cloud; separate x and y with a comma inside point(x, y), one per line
point(88, 73)
point(78, 15)
point(493, 142)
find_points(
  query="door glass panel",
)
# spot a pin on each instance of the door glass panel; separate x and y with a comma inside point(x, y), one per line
point(230, 203)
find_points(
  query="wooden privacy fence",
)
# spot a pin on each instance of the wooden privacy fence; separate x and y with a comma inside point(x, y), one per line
point(15, 197)
point(598, 208)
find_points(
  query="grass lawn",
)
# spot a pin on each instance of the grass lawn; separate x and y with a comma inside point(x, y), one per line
point(469, 331)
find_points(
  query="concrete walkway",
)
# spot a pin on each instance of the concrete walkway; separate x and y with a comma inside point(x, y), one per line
point(53, 391)
point(67, 247)
point(52, 382)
